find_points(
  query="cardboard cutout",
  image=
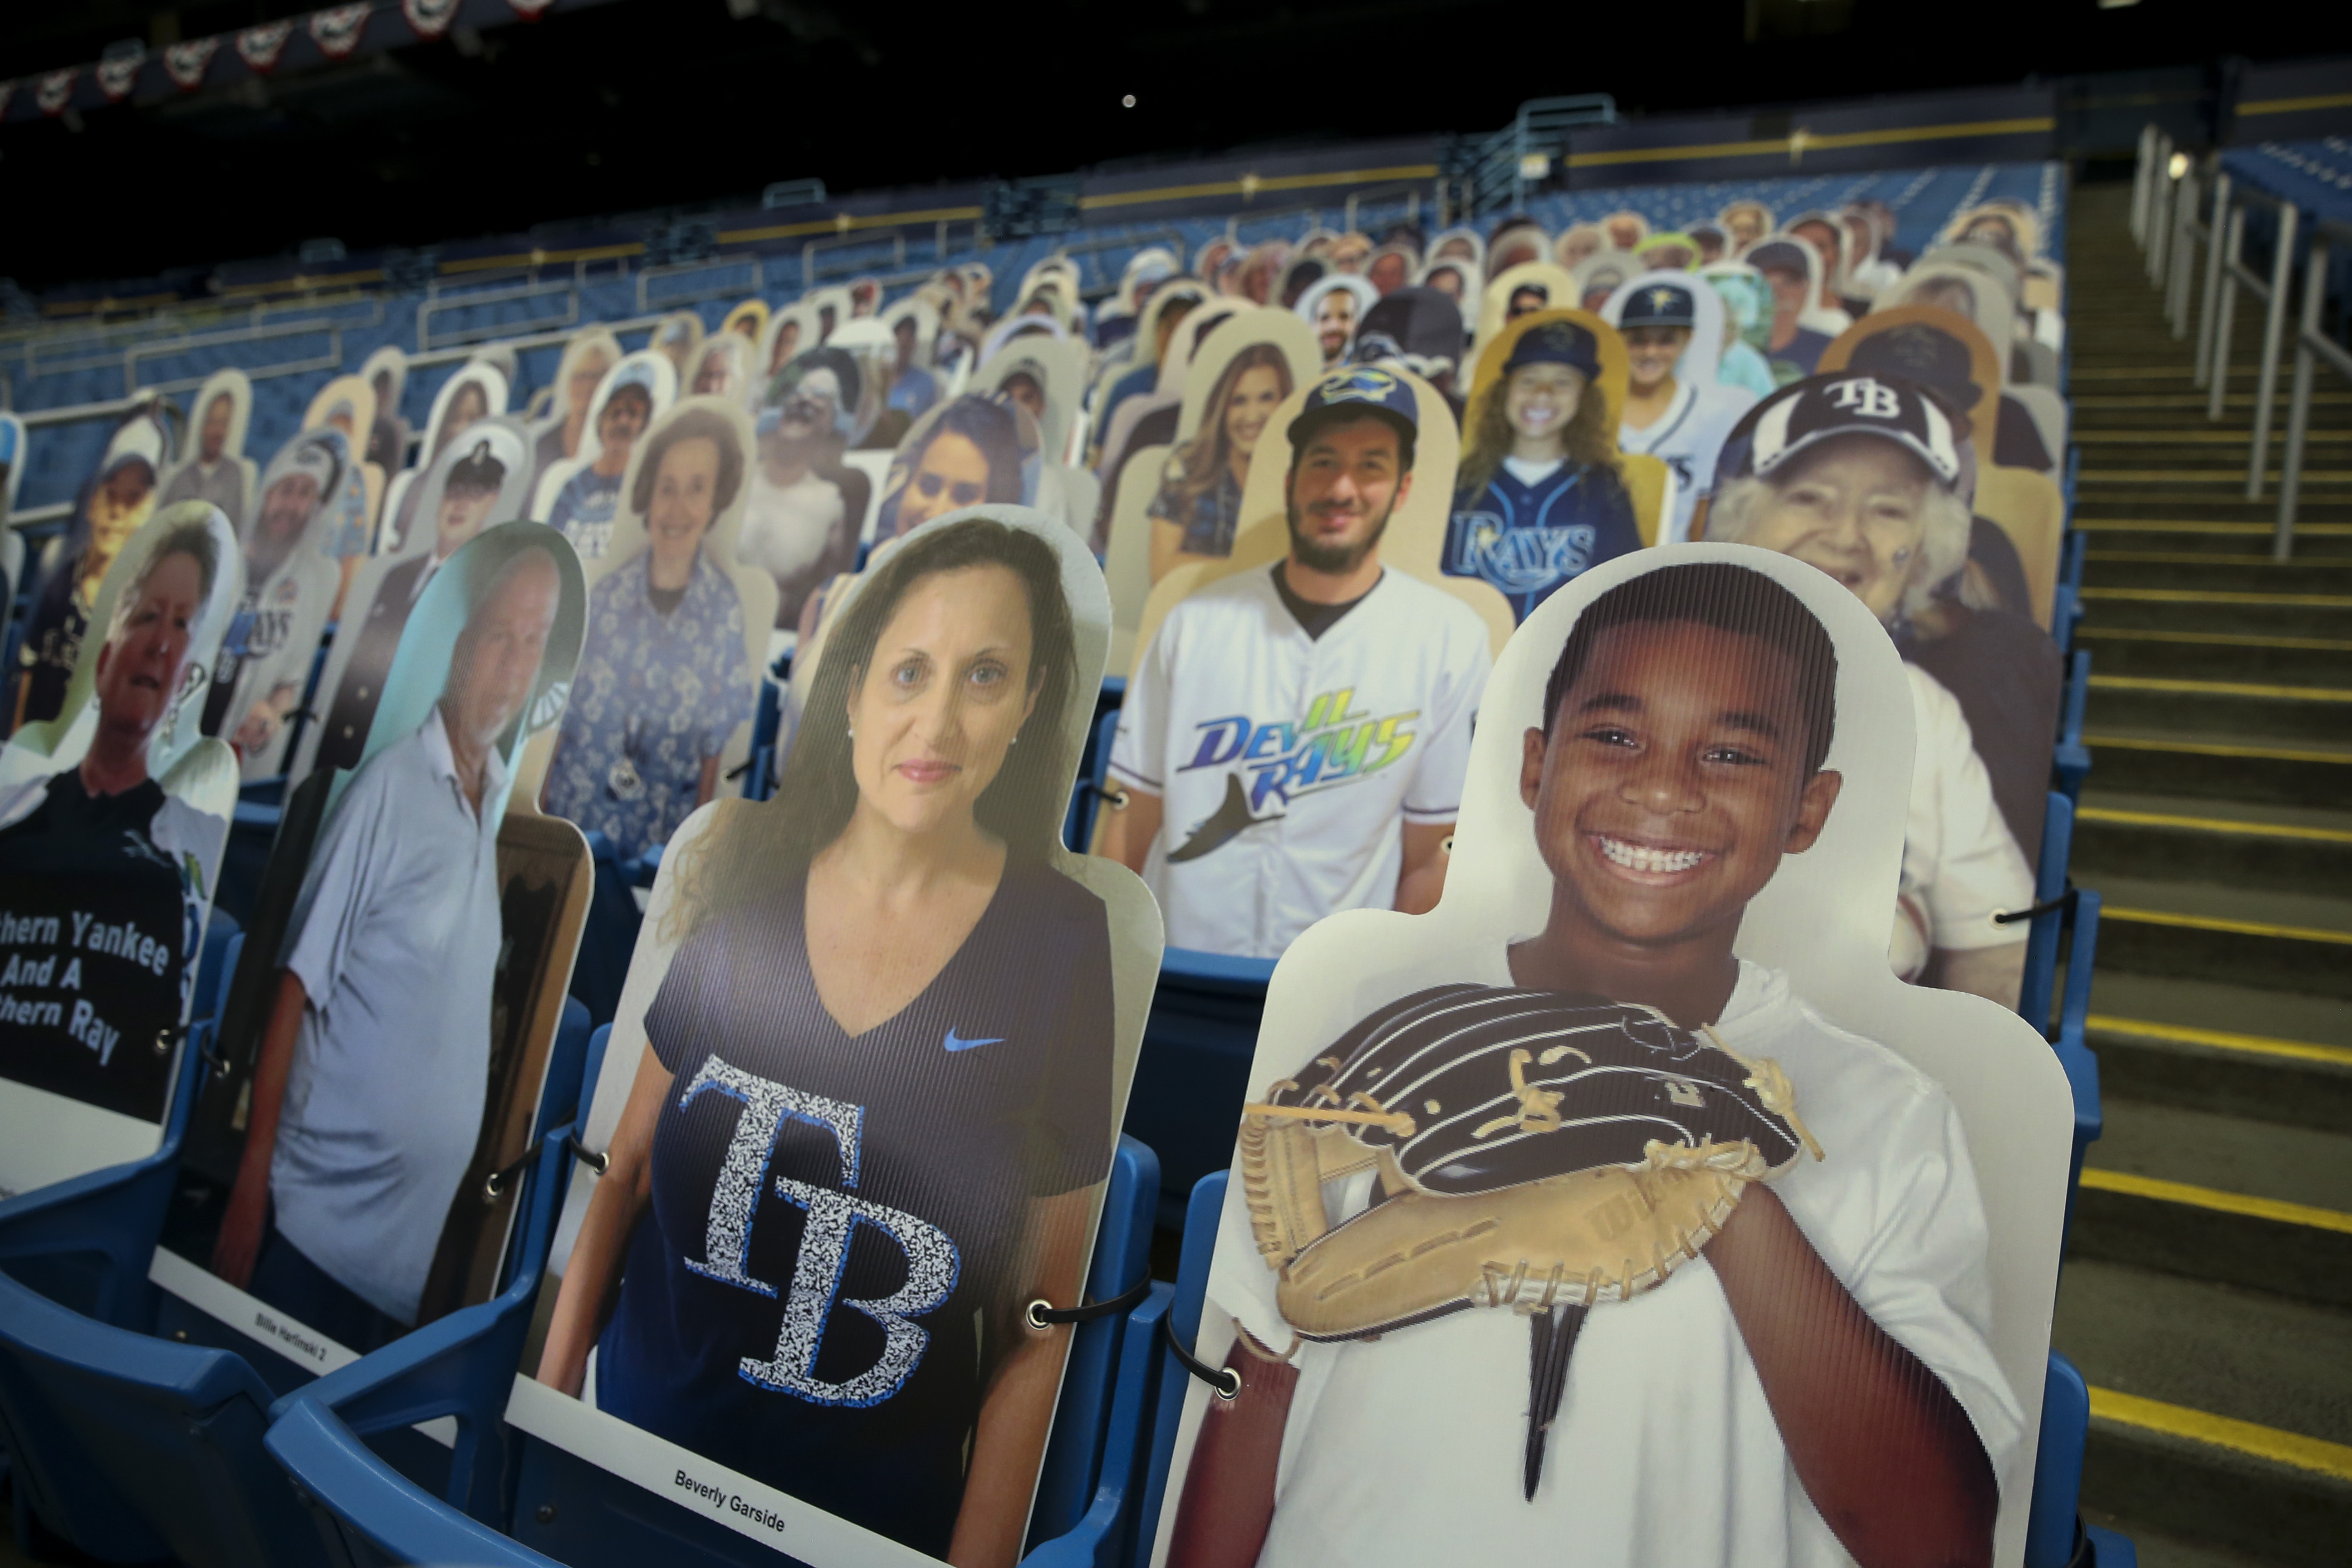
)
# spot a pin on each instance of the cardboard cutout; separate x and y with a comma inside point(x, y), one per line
point(1515, 243)
point(722, 368)
point(1461, 244)
point(747, 321)
point(386, 373)
point(1045, 377)
point(588, 357)
point(808, 500)
point(482, 478)
point(1512, 293)
point(346, 405)
point(833, 308)
point(1747, 298)
point(1526, 533)
point(113, 503)
point(291, 584)
point(2006, 226)
point(1942, 349)
point(1688, 431)
point(1607, 1191)
point(216, 470)
point(677, 633)
point(360, 1134)
point(1278, 761)
point(1239, 375)
point(676, 337)
point(1334, 306)
point(1986, 681)
point(113, 817)
point(1817, 313)
point(979, 449)
point(1745, 222)
point(478, 392)
point(1148, 419)
point(1796, 330)
point(1579, 242)
point(1456, 277)
point(853, 1278)
point(1670, 251)
point(791, 330)
point(578, 496)
point(1599, 275)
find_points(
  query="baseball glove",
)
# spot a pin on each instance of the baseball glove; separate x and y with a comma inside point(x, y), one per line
point(1532, 1149)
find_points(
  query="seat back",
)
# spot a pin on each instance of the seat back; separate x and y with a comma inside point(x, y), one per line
point(133, 1448)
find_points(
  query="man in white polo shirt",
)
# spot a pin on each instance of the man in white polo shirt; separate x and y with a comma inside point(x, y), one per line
point(374, 1065)
point(1293, 741)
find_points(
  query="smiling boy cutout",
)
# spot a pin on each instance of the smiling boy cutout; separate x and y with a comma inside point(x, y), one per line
point(1815, 1385)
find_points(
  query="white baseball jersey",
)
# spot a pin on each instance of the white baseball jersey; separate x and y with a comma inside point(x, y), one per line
point(1665, 1450)
point(1689, 438)
point(1959, 859)
point(1288, 764)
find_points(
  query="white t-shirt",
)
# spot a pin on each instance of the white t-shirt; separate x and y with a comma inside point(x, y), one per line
point(1323, 746)
point(1688, 437)
point(787, 527)
point(1407, 1450)
point(1959, 860)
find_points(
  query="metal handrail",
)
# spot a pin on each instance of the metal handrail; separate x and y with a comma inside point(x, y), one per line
point(426, 308)
point(2186, 230)
point(645, 276)
point(1410, 190)
point(2226, 279)
point(2216, 235)
point(2310, 345)
point(526, 342)
point(162, 348)
point(898, 238)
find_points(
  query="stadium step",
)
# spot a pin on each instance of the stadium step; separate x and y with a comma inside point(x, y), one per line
point(2218, 1412)
point(2207, 1292)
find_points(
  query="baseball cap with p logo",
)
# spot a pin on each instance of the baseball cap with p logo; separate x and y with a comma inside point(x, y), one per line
point(1809, 412)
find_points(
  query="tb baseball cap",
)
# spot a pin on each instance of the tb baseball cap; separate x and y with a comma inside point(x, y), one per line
point(1806, 413)
point(1659, 305)
point(1354, 391)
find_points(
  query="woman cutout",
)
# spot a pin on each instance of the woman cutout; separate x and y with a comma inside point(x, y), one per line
point(663, 681)
point(1199, 506)
point(971, 455)
point(884, 966)
point(1539, 499)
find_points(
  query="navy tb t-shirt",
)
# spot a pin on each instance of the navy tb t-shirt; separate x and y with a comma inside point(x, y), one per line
point(828, 1269)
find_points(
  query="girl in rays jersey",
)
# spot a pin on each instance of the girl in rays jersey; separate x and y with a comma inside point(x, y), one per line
point(1539, 500)
point(876, 1095)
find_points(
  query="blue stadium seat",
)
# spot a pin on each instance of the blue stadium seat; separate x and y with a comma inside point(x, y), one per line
point(1193, 1072)
point(131, 1447)
point(2072, 760)
point(565, 1511)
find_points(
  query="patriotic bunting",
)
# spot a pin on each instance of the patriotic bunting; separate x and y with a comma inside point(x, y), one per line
point(116, 76)
point(187, 63)
point(52, 89)
point(337, 29)
point(430, 18)
point(260, 46)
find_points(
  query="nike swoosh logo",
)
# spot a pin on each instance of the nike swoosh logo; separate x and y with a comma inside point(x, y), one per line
point(958, 1043)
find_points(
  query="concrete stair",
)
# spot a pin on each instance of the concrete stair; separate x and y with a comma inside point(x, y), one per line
point(2207, 1291)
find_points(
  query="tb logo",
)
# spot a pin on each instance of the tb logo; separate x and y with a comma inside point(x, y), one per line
point(1871, 399)
point(932, 1263)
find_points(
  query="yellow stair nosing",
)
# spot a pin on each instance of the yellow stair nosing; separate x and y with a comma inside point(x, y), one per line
point(2216, 639)
point(2189, 686)
point(2213, 749)
point(2223, 597)
point(2223, 925)
point(2245, 1205)
point(2220, 1039)
point(2123, 818)
point(2248, 1438)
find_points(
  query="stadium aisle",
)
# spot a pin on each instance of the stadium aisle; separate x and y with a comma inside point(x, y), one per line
point(2207, 1292)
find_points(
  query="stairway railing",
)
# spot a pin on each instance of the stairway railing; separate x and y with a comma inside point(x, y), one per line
point(2311, 346)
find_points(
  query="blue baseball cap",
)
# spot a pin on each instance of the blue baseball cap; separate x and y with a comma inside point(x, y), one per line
point(1806, 413)
point(1358, 390)
point(1557, 342)
point(1659, 305)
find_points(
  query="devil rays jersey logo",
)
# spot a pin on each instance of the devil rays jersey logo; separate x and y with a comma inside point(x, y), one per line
point(833, 1217)
point(1284, 760)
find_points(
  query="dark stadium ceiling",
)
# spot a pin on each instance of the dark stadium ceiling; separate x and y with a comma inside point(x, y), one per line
point(639, 104)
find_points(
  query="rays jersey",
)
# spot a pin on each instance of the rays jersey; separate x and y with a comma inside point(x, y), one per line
point(1530, 537)
point(1288, 764)
point(1688, 437)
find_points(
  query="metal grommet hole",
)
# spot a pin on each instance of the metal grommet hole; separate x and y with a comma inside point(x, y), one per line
point(1036, 1314)
point(1228, 1386)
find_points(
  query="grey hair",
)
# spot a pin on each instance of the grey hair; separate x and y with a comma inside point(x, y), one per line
point(1945, 524)
point(461, 655)
point(192, 540)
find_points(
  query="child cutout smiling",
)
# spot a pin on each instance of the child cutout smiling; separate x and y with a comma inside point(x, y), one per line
point(1735, 1334)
